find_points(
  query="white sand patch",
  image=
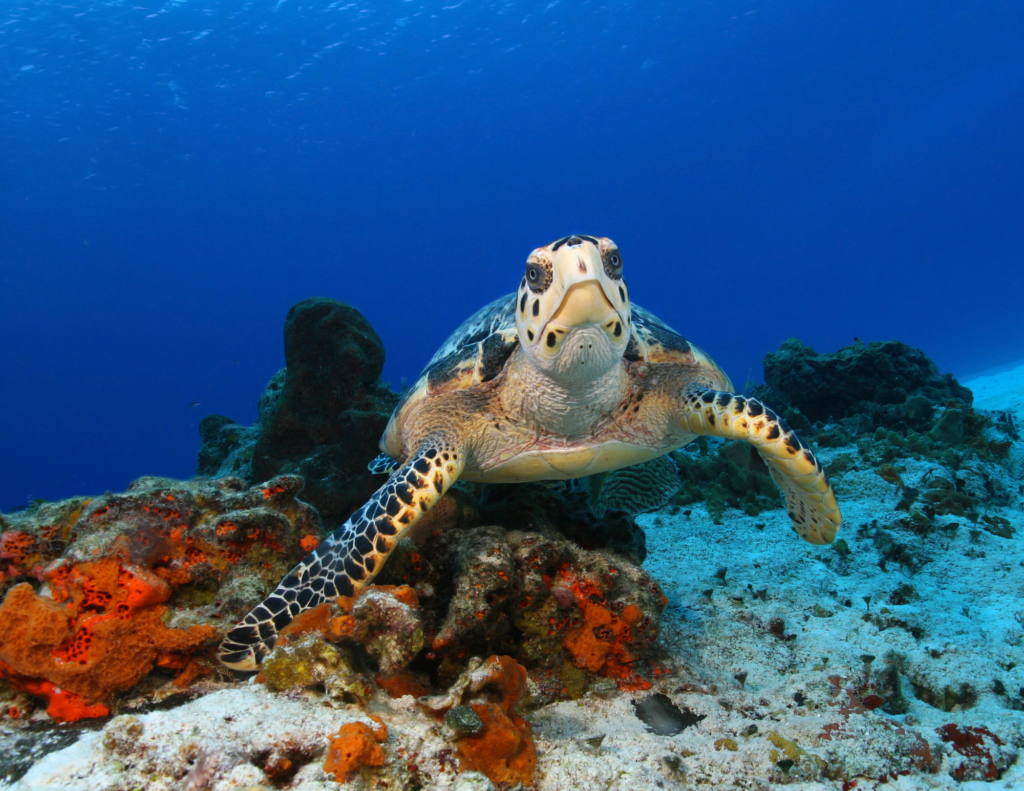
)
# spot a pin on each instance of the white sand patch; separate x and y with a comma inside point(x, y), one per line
point(1004, 391)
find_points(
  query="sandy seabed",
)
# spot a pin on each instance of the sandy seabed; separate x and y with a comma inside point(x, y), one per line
point(773, 658)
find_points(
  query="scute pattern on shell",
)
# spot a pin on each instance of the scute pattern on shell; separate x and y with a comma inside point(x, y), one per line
point(478, 349)
point(476, 352)
point(498, 318)
point(652, 340)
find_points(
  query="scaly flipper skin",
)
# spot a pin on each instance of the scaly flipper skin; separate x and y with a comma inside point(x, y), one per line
point(350, 557)
point(382, 464)
point(809, 498)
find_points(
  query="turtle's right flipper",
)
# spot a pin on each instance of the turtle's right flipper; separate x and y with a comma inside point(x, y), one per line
point(350, 557)
point(809, 497)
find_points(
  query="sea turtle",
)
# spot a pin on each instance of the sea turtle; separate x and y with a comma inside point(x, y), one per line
point(564, 378)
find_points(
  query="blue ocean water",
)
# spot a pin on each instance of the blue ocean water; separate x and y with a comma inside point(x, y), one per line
point(175, 175)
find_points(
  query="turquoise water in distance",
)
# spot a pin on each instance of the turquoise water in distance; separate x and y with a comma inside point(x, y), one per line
point(175, 175)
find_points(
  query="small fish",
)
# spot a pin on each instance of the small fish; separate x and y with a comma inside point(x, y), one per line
point(193, 405)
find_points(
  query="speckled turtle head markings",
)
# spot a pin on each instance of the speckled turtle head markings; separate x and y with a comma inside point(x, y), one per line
point(564, 378)
point(573, 292)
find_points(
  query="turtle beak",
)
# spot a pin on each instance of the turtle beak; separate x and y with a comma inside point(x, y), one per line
point(584, 304)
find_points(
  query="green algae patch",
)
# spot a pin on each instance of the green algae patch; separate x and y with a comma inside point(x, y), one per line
point(310, 662)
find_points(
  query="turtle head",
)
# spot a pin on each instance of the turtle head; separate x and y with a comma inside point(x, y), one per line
point(572, 308)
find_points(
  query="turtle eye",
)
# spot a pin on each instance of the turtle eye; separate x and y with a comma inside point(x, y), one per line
point(537, 277)
point(612, 260)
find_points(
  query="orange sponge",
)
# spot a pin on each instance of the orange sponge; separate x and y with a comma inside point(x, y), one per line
point(355, 746)
point(63, 706)
point(602, 643)
point(503, 749)
point(101, 632)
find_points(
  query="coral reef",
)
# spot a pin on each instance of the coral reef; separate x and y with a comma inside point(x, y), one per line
point(568, 615)
point(34, 537)
point(888, 397)
point(320, 418)
point(881, 404)
point(147, 578)
point(893, 657)
point(138, 580)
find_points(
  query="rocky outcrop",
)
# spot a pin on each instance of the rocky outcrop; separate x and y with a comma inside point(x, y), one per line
point(888, 390)
point(884, 379)
point(321, 417)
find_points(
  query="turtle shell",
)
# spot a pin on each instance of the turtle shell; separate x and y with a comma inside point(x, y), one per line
point(476, 352)
point(653, 341)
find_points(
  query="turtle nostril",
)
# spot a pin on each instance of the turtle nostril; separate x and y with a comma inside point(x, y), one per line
point(572, 241)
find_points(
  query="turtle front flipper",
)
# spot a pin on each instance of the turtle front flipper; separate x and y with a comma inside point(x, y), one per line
point(350, 557)
point(382, 464)
point(809, 498)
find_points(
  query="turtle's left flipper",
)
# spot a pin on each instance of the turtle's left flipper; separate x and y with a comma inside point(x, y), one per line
point(350, 557)
point(809, 498)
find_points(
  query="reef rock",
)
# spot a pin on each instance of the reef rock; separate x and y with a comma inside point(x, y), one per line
point(886, 389)
point(558, 510)
point(320, 417)
point(569, 615)
point(139, 579)
point(887, 380)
